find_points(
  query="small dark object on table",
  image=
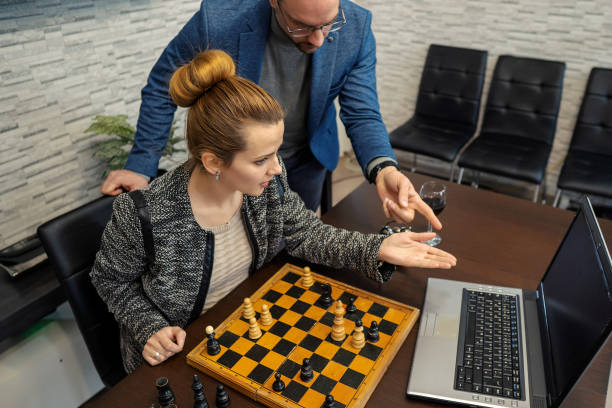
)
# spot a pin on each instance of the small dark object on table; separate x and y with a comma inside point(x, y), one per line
point(223, 399)
point(199, 398)
point(329, 402)
point(165, 396)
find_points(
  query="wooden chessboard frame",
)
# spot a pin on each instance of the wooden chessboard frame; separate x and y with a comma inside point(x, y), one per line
point(197, 357)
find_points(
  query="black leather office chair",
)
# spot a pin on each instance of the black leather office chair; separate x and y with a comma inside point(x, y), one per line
point(519, 122)
point(71, 242)
point(588, 164)
point(448, 103)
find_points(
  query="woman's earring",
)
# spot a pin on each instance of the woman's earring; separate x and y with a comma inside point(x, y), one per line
point(217, 174)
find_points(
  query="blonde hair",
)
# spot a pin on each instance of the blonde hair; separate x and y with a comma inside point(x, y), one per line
point(220, 102)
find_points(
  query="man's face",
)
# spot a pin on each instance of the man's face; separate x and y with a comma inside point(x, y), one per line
point(305, 14)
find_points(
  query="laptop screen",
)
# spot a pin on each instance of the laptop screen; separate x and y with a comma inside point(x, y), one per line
point(576, 303)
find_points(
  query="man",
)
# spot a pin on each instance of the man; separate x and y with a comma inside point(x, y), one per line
point(305, 53)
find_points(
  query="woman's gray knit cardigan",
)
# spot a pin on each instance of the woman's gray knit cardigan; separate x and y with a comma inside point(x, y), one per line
point(173, 290)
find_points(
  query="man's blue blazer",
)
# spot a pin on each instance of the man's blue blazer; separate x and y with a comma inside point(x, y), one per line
point(344, 65)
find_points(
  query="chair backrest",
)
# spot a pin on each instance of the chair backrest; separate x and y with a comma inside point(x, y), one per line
point(451, 87)
point(524, 98)
point(71, 242)
point(593, 130)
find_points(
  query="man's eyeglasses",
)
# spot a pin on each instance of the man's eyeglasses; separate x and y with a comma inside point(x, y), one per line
point(307, 31)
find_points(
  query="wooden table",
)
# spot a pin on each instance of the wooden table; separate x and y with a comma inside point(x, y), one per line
point(497, 240)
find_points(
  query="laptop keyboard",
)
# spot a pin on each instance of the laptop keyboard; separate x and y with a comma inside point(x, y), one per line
point(489, 352)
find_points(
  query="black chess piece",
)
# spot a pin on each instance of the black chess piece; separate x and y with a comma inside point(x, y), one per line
point(223, 399)
point(373, 335)
point(329, 402)
point(278, 385)
point(306, 373)
point(350, 307)
point(212, 345)
point(326, 300)
point(199, 398)
point(165, 396)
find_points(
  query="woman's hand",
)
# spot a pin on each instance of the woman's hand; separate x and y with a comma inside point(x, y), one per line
point(407, 249)
point(164, 344)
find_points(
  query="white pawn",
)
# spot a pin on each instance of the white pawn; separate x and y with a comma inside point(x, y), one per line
point(266, 317)
point(307, 280)
point(247, 309)
point(254, 330)
point(358, 338)
point(338, 332)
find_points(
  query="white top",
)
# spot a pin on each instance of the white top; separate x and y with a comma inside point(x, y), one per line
point(231, 259)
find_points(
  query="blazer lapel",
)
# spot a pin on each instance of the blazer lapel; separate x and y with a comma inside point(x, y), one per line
point(323, 61)
point(253, 42)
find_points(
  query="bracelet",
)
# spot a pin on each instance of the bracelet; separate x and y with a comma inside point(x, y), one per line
point(379, 167)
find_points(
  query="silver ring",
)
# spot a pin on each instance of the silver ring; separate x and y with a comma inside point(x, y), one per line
point(157, 355)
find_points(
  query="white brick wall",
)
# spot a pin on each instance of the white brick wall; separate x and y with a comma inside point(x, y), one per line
point(63, 62)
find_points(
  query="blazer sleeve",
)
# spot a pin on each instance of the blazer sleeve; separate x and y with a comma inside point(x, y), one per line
point(307, 237)
point(157, 108)
point(117, 272)
point(359, 108)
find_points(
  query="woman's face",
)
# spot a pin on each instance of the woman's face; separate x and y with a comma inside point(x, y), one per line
point(252, 169)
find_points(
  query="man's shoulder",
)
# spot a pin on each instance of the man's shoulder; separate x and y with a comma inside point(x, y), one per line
point(239, 6)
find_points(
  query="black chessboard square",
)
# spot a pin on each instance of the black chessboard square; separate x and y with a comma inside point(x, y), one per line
point(272, 296)
point(256, 353)
point(289, 368)
point(345, 297)
point(227, 339)
point(229, 358)
point(318, 362)
point(327, 319)
point(344, 357)
point(295, 292)
point(330, 340)
point(284, 347)
point(352, 378)
point(310, 342)
point(276, 311)
point(370, 351)
point(291, 277)
point(323, 384)
point(280, 329)
point(317, 287)
point(356, 315)
point(294, 391)
point(387, 327)
point(260, 373)
point(247, 321)
point(378, 310)
point(305, 323)
point(300, 307)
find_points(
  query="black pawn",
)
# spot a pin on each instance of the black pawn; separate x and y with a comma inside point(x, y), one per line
point(350, 308)
point(165, 396)
point(278, 384)
point(223, 399)
point(199, 398)
point(306, 372)
point(329, 402)
point(373, 335)
point(326, 299)
point(212, 345)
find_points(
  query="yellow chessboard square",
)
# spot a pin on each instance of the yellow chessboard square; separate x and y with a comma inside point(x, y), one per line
point(281, 286)
point(268, 340)
point(312, 399)
point(363, 304)
point(394, 316)
point(244, 366)
point(361, 364)
point(295, 335)
point(314, 313)
point(241, 346)
point(320, 331)
point(273, 360)
point(334, 370)
point(327, 350)
point(290, 317)
point(343, 393)
point(309, 297)
point(285, 301)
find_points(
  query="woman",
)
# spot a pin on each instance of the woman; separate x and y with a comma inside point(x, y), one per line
point(220, 216)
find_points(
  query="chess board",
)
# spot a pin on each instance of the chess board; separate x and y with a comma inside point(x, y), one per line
point(301, 329)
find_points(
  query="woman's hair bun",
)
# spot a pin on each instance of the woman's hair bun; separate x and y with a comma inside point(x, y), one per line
point(207, 68)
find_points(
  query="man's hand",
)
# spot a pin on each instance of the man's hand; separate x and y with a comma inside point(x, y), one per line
point(120, 180)
point(407, 249)
point(400, 199)
point(164, 344)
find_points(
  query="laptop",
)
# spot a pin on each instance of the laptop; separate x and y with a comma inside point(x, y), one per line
point(491, 346)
